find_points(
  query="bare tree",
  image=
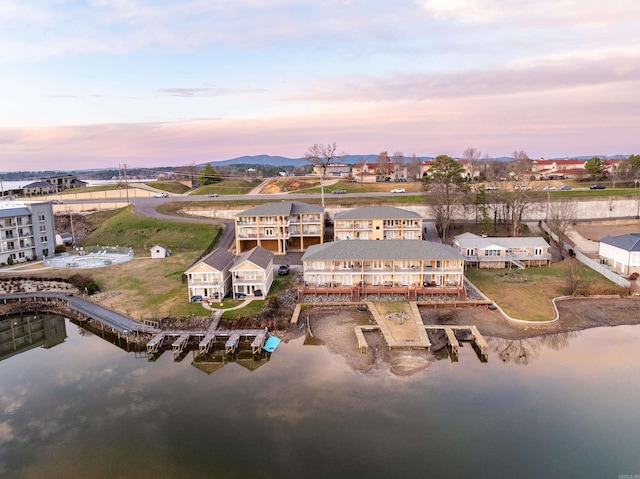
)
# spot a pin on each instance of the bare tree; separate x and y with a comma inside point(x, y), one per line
point(472, 157)
point(413, 167)
point(573, 275)
point(398, 164)
point(322, 155)
point(561, 215)
point(444, 185)
point(384, 165)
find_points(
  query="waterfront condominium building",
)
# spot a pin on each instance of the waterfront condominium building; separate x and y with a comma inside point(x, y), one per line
point(377, 223)
point(280, 227)
point(27, 231)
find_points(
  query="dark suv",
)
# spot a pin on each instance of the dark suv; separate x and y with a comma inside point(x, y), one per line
point(283, 270)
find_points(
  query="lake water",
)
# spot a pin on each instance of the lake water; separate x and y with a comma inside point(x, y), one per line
point(85, 408)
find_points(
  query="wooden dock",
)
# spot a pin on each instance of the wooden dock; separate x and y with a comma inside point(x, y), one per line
point(179, 344)
point(258, 342)
point(154, 345)
point(480, 342)
point(205, 344)
point(232, 344)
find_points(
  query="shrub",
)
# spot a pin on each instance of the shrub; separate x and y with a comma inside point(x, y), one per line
point(633, 276)
point(84, 283)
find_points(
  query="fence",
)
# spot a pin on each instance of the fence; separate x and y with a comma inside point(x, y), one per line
point(594, 265)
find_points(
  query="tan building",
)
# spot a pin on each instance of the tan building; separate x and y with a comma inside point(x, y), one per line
point(356, 268)
point(280, 227)
point(252, 273)
point(377, 223)
point(210, 277)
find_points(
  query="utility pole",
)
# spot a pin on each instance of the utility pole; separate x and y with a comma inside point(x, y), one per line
point(73, 236)
point(126, 184)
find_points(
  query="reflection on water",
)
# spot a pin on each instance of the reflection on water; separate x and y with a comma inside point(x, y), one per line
point(23, 332)
point(523, 351)
point(87, 409)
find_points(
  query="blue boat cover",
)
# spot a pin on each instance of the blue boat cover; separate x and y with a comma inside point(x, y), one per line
point(271, 344)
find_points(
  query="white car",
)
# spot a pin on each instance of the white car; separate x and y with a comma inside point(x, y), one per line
point(490, 188)
point(549, 188)
point(397, 190)
point(160, 195)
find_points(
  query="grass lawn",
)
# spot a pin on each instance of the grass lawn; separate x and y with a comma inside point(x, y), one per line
point(124, 228)
point(148, 288)
point(229, 186)
point(527, 294)
point(169, 186)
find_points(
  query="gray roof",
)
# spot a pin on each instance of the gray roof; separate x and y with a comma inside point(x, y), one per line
point(259, 256)
point(218, 259)
point(380, 250)
point(38, 184)
point(283, 208)
point(18, 211)
point(505, 242)
point(628, 242)
point(375, 212)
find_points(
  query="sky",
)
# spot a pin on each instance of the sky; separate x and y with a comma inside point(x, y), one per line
point(99, 83)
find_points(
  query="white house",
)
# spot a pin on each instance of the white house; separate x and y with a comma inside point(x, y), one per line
point(252, 273)
point(502, 252)
point(210, 277)
point(27, 231)
point(160, 251)
point(377, 223)
point(621, 252)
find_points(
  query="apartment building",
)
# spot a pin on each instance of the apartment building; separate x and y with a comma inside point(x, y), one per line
point(280, 227)
point(377, 223)
point(27, 231)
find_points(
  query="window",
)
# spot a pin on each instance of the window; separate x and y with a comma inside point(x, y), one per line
point(538, 252)
point(492, 252)
point(41, 217)
point(43, 239)
point(43, 228)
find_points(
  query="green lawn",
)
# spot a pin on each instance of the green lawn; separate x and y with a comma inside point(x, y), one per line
point(124, 228)
point(169, 186)
point(527, 294)
point(228, 186)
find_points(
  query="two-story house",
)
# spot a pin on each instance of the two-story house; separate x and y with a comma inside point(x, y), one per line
point(280, 227)
point(377, 223)
point(503, 252)
point(356, 268)
point(210, 277)
point(252, 273)
point(621, 252)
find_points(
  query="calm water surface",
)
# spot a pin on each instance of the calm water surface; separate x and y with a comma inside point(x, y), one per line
point(85, 408)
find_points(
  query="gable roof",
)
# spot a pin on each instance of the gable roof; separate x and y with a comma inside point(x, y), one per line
point(628, 242)
point(259, 256)
point(380, 250)
point(38, 184)
point(375, 212)
point(283, 208)
point(218, 259)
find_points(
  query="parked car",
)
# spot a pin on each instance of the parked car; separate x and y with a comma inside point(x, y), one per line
point(240, 295)
point(597, 187)
point(338, 192)
point(257, 292)
point(490, 188)
point(397, 190)
point(160, 195)
point(565, 188)
point(196, 299)
point(283, 270)
point(213, 195)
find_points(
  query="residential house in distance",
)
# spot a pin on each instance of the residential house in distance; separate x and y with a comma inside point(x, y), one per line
point(210, 277)
point(503, 252)
point(415, 269)
point(63, 182)
point(336, 170)
point(37, 188)
point(377, 223)
point(27, 231)
point(280, 227)
point(252, 273)
point(622, 252)
point(370, 172)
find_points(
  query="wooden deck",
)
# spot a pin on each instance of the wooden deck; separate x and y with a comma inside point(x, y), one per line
point(409, 292)
point(206, 339)
point(480, 342)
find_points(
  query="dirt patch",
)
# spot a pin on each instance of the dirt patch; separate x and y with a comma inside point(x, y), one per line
point(334, 326)
point(596, 232)
point(288, 185)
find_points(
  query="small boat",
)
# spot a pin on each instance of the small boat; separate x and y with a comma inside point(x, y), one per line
point(271, 344)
